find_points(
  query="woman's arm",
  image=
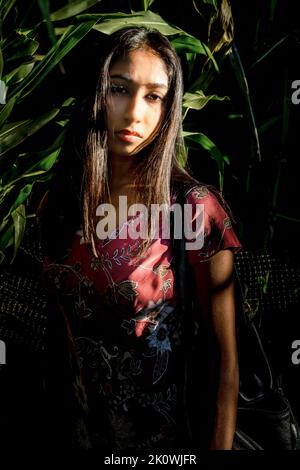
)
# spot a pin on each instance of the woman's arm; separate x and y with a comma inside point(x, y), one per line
point(215, 288)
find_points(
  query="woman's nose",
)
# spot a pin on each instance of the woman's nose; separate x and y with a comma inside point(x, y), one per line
point(135, 108)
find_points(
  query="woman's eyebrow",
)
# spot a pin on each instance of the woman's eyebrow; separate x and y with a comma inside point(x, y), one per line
point(148, 85)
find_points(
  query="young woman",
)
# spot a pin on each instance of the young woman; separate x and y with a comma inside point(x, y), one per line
point(116, 292)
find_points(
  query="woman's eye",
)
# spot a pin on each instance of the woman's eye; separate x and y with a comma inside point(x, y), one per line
point(154, 97)
point(118, 89)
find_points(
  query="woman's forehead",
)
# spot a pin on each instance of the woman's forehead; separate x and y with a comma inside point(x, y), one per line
point(141, 65)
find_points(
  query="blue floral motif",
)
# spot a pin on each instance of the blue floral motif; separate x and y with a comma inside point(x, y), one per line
point(159, 343)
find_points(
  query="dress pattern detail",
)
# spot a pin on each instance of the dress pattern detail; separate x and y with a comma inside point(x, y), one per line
point(123, 320)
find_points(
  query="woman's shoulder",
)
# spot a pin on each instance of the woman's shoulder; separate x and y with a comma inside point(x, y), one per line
point(217, 222)
point(201, 193)
point(206, 194)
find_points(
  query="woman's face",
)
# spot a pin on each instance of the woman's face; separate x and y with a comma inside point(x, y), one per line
point(138, 88)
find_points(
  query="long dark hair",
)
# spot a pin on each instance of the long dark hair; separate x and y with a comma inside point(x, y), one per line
point(82, 179)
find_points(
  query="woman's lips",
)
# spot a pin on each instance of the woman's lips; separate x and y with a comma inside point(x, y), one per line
point(128, 136)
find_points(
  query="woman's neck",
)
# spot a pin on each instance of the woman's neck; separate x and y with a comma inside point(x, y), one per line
point(122, 174)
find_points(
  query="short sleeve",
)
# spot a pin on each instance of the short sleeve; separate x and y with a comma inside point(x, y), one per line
point(216, 225)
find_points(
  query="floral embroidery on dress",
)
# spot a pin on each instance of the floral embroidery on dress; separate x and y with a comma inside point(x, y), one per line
point(95, 263)
point(167, 284)
point(163, 404)
point(161, 270)
point(200, 192)
point(128, 289)
point(159, 343)
point(227, 223)
point(82, 310)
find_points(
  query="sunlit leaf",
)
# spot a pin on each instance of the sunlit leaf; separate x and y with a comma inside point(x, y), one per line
point(3, 92)
point(186, 43)
point(21, 196)
point(19, 73)
point(147, 4)
point(59, 31)
point(41, 166)
point(111, 22)
point(198, 99)
point(221, 28)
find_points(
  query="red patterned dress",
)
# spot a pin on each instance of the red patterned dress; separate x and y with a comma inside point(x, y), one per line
point(121, 315)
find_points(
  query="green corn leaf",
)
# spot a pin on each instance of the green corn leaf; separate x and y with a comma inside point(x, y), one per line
point(242, 82)
point(198, 99)
point(213, 3)
point(3, 224)
point(31, 159)
point(202, 82)
point(269, 51)
point(288, 217)
point(21, 45)
point(3, 92)
point(5, 112)
point(19, 73)
point(45, 163)
point(14, 133)
point(44, 7)
point(272, 7)
point(69, 40)
point(20, 197)
point(19, 222)
point(71, 9)
point(147, 4)
point(6, 6)
point(266, 126)
point(111, 22)
point(39, 162)
point(40, 167)
point(6, 240)
point(1, 63)
point(209, 146)
point(4, 191)
point(185, 43)
point(190, 58)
